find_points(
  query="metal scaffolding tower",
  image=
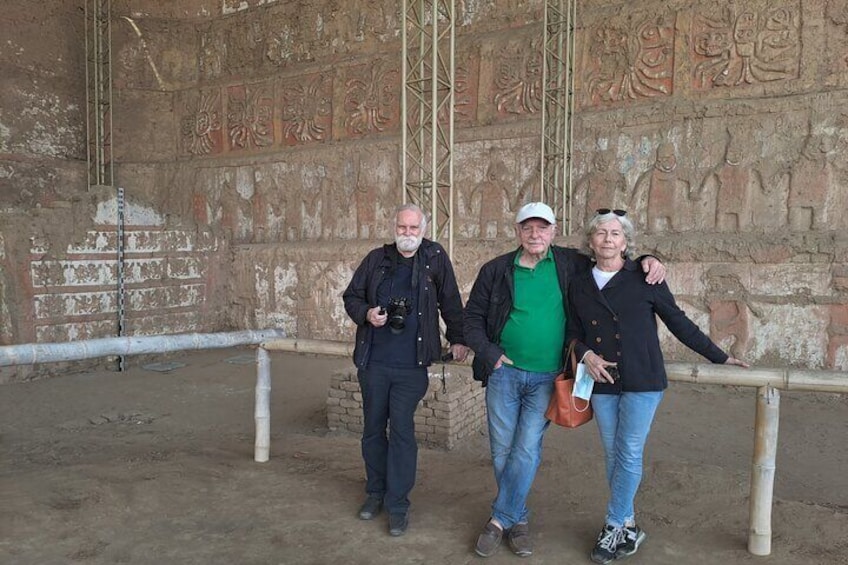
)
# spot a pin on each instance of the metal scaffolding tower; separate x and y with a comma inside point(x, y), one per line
point(98, 95)
point(427, 107)
point(557, 108)
point(98, 77)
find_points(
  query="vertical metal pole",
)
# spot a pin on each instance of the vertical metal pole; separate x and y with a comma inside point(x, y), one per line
point(434, 121)
point(451, 123)
point(404, 111)
point(571, 22)
point(262, 408)
point(762, 470)
point(89, 60)
point(122, 331)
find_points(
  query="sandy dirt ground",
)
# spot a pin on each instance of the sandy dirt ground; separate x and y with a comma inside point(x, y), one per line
point(152, 467)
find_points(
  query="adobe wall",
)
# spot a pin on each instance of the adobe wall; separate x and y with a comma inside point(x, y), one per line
point(271, 131)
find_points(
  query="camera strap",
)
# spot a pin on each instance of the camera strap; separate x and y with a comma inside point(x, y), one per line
point(396, 258)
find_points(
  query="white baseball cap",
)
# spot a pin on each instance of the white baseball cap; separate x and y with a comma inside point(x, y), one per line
point(535, 210)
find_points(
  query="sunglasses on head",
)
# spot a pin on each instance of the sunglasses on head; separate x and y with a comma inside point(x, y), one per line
point(603, 211)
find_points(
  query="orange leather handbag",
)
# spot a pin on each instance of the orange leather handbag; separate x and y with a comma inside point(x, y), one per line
point(564, 409)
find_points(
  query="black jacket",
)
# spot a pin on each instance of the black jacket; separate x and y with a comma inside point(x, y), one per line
point(490, 303)
point(437, 291)
point(619, 323)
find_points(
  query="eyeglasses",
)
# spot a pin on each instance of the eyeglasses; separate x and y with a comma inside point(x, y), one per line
point(603, 211)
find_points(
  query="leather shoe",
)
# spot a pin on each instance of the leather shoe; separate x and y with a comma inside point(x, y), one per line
point(489, 539)
point(398, 523)
point(370, 508)
point(519, 540)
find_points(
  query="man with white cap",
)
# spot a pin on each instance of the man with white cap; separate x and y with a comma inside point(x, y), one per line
point(515, 322)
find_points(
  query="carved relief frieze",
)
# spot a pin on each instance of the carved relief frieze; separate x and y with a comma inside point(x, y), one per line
point(465, 91)
point(306, 104)
point(746, 43)
point(212, 53)
point(628, 58)
point(371, 101)
point(836, 40)
point(518, 79)
point(250, 112)
point(284, 46)
point(200, 124)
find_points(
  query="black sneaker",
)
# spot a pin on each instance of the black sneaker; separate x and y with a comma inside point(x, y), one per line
point(370, 508)
point(632, 537)
point(398, 522)
point(608, 542)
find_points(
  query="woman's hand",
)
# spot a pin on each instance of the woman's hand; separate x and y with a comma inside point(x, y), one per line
point(735, 361)
point(596, 366)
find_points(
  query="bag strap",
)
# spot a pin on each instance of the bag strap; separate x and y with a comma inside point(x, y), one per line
point(572, 358)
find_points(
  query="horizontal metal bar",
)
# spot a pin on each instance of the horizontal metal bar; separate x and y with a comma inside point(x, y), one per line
point(31, 353)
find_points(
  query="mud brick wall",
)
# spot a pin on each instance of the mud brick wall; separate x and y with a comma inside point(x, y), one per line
point(274, 128)
point(446, 415)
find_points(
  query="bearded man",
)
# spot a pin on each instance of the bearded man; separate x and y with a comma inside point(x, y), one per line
point(395, 297)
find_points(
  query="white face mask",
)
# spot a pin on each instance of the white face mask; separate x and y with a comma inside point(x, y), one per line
point(583, 383)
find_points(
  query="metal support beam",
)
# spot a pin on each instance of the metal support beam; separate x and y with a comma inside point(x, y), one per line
point(557, 108)
point(98, 78)
point(32, 353)
point(427, 107)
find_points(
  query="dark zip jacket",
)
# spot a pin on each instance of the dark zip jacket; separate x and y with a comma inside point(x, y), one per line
point(490, 304)
point(437, 292)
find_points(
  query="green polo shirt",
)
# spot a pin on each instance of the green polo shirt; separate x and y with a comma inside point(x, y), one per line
point(535, 331)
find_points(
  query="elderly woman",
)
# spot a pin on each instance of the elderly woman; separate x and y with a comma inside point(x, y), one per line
point(612, 316)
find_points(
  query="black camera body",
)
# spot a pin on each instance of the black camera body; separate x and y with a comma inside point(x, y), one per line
point(397, 310)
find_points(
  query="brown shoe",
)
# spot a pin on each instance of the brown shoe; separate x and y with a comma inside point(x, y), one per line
point(489, 539)
point(519, 540)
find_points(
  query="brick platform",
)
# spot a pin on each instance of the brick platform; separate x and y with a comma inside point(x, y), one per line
point(442, 418)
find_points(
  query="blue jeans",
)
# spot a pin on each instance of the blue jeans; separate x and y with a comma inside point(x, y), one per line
point(516, 401)
point(624, 422)
point(390, 397)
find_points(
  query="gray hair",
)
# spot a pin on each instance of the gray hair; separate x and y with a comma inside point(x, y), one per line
point(626, 226)
point(414, 208)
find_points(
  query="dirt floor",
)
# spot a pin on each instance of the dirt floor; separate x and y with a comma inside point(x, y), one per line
point(157, 467)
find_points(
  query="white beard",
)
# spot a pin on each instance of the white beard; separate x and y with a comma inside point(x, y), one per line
point(408, 243)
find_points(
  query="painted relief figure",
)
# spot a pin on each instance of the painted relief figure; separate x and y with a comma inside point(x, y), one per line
point(490, 201)
point(602, 187)
point(660, 199)
point(733, 187)
point(811, 180)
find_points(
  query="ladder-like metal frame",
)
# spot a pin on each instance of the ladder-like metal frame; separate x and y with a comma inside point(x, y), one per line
point(558, 108)
point(98, 96)
point(427, 109)
point(98, 78)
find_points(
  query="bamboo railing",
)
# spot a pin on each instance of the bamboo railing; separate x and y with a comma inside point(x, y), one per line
point(767, 381)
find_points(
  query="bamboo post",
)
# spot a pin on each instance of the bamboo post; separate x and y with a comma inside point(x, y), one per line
point(762, 470)
point(262, 409)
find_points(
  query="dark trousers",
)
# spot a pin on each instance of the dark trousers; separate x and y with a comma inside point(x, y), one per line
point(390, 397)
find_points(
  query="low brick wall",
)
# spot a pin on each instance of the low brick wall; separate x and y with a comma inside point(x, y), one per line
point(443, 418)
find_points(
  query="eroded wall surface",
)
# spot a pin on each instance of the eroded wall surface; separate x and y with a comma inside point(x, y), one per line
point(265, 135)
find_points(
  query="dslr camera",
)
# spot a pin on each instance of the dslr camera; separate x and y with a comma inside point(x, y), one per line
point(397, 310)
